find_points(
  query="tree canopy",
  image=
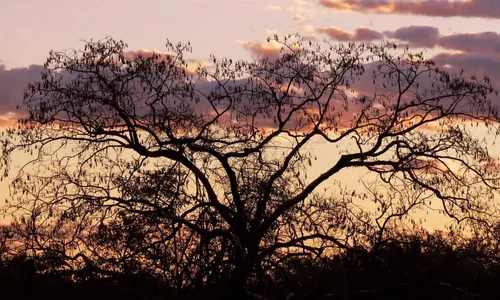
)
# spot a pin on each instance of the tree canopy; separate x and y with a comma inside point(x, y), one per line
point(143, 164)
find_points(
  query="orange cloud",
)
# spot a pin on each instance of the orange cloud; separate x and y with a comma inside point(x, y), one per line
point(300, 18)
point(336, 33)
point(190, 69)
point(269, 50)
point(273, 7)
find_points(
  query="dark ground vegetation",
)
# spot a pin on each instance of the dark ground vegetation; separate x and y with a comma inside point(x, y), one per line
point(420, 265)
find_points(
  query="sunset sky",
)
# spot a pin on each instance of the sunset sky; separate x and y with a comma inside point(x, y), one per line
point(458, 34)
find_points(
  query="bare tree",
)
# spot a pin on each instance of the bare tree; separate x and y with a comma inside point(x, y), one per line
point(190, 172)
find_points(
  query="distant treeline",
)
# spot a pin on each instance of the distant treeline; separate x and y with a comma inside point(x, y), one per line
point(438, 265)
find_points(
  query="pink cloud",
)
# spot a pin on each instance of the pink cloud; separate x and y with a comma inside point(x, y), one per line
point(428, 36)
point(435, 8)
point(417, 36)
point(485, 42)
point(361, 34)
point(336, 33)
point(472, 63)
point(13, 82)
point(366, 34)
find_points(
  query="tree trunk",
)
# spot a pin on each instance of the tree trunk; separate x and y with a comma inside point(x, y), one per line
point(238, 283)
point(243, 267)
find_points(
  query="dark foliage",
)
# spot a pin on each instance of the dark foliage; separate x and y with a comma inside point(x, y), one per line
point(421, 265)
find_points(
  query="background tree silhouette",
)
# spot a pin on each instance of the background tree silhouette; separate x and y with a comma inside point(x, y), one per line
point(142, 165)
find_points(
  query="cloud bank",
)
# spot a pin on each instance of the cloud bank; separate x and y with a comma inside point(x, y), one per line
point(477, 53)
point(433, 8)
point(423, 37)
point(13, 82)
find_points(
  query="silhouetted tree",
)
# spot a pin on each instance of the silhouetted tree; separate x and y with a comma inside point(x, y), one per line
point(143, 165)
